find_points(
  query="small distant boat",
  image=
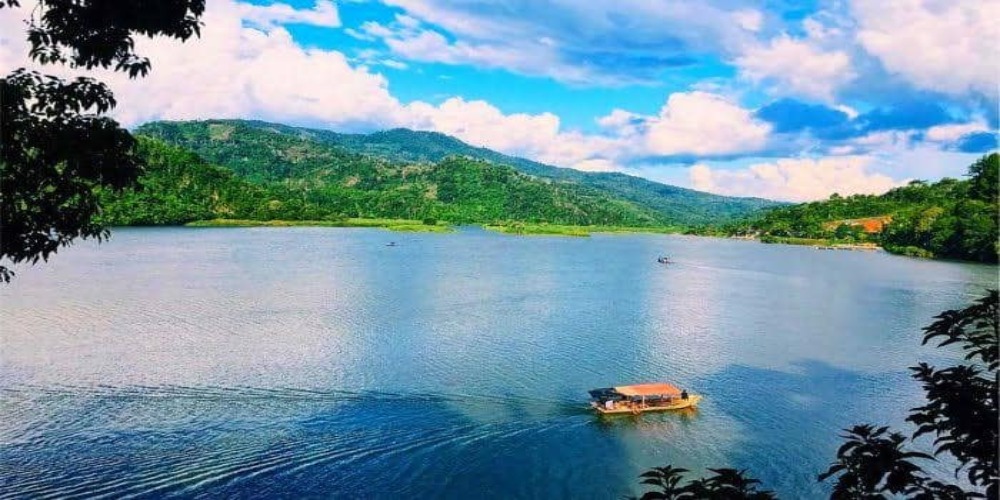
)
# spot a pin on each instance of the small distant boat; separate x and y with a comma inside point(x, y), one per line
point(391, 244)
point(663, 260)
point(641, 398)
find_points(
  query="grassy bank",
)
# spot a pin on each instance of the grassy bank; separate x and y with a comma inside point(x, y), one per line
point(410, 225)
point(576, 231)
point(821, 242)
point(406, 225)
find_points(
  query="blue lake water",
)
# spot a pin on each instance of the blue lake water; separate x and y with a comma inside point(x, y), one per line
point(319, 362)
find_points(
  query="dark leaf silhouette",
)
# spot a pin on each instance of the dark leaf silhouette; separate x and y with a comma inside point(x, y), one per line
point(56, 150)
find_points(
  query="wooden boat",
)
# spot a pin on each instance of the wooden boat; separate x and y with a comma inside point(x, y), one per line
point(641, 398)
point(663, 260)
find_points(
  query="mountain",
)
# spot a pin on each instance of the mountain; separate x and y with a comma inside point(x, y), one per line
point(673, 204)
point(951, 218)
point(280, 177)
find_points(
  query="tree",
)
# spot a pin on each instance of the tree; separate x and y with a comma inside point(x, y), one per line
point(874, 462)
point(961, 412)
point(56, 149)
point(985, 176)
point(723, 484)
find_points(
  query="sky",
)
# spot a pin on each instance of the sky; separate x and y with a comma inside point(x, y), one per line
point(781, 99)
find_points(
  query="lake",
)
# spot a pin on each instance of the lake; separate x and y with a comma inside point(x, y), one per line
point(320, 362)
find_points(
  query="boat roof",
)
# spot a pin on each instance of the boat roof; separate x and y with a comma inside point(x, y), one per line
point(655, 389)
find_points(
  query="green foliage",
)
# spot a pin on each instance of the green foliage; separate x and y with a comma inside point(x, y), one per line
point(56, 150)
point(873, 463)
point(948, 219)
point(723, 484)
point(307, 179)
point(667, 204)
point(179, 187)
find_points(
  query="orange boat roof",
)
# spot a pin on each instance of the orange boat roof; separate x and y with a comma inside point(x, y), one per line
point(647, 390)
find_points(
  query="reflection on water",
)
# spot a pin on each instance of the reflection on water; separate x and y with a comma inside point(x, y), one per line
point(297, 362)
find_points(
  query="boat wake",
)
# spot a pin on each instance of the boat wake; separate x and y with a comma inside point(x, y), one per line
point(140, 441)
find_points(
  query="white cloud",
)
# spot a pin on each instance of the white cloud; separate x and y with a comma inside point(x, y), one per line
point(323, 14)
point(537, 136)
point(623, 123)
point(598, 165)
point(874, 142)
point(702, 123)
point(847, 110)
point(394, 64)
point(794, 179)
point(238, 70)
point(952, 132)
point(407, 21)
point(235, 71)
point(482, 124)
point(749, 19)
point(947, 46)
point(797, 67)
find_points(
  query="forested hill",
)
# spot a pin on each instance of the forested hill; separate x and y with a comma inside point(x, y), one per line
point(217, 141)
point(948, 219)
point(289, 178)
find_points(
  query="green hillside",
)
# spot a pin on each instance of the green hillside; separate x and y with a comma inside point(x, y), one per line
point(673, 204)
point(271, 176)
point(948, 219)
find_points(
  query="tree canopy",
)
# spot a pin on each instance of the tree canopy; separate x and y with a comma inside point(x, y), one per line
point(670, 204)
point(285, 178)
point(951, 218)
point(57, 150)
point(309, 179)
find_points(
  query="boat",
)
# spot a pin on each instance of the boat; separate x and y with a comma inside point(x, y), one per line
point(663, 260)
point(640, 398)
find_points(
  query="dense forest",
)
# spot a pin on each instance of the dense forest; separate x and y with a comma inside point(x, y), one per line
point(950, 218)
point(234, 144)
point(274, 177)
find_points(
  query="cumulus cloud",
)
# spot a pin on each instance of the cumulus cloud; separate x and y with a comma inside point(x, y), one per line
point(794, 179)
point(797, 66)
point(540, 137)
point(482, 124)
point(238, 69)
point(701, 123)
point(949, 47)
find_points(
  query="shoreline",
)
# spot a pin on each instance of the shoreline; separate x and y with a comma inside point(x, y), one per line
point(412, 225)
point(820, 243)
point(401, 225)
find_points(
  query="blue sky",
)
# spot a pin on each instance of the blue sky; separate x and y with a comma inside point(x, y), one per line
point(784, 99)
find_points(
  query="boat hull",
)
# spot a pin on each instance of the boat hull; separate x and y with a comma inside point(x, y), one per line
point(680, 404)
